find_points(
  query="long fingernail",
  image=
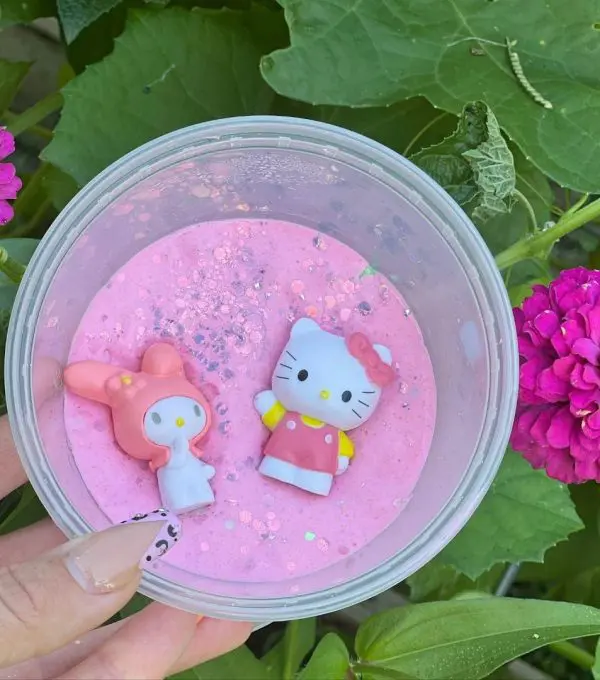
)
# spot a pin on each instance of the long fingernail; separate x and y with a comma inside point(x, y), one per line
point(111, 559)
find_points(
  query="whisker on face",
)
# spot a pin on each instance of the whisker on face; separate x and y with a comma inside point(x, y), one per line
point(286, 366)
point(282, 377)
point(363, 403)
point(290, 354)
point(373, 392)
point(357, 413)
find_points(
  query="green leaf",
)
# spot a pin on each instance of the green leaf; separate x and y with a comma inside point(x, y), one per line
point(524, 513)
point(468, 638)
point(502, 231)
point(439, 581)
point(25, 11)
point(596, 666)
point(135, 605)
point(284, 659)
point(11, 76)
point(581, 551)
point(405, 127)
point(20, 249)
point(373, 54)
point(59, 186)
point(206, 67)
point(330, 660)
point(240, 664)
point(28, 510)
point(75, 15)
point(97, 40)
point(474, 164)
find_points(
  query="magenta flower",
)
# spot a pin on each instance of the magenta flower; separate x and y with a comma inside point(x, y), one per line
point(557, 426)
point(10, 184)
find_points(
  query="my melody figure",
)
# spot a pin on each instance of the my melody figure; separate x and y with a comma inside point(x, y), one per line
point(158, 416)
point(322, 386)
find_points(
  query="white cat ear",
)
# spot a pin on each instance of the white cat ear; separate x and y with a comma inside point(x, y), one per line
point(303, 326)
point(384, 354)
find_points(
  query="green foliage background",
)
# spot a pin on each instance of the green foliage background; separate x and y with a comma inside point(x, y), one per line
point(431, 79)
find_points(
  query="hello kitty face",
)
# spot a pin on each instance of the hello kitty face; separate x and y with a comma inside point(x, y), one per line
point(169, 419)
point(317, 376)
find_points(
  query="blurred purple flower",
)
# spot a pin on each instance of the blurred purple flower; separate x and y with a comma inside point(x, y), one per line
point(557, 426)
point(10, 184)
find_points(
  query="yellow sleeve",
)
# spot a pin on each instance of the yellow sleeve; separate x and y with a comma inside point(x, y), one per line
point(346, 446)
point(273, 416)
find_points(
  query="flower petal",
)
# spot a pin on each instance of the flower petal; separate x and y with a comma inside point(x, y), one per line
point(546, 323)
point(550, 387)
point(11, 189)
point(588, 349)
point(561, 427)
point(7, 144)
point(6, 213)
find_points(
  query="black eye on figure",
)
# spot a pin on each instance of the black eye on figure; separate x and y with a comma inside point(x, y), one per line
point(197, 410)
point(346, 396)
point(302, 375)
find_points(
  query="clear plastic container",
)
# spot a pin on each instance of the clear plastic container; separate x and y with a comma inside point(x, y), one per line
point(399, 220)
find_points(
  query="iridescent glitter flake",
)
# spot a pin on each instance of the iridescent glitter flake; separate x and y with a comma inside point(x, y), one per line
point(310, 536)
point(323, 545)
point(245, 516)
point(229, 524)
point(364, 308)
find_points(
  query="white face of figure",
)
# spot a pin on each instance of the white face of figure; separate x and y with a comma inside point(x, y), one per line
point(317, 376)
point(173, 418)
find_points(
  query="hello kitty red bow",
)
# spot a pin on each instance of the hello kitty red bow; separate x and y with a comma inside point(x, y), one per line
point(378, 372)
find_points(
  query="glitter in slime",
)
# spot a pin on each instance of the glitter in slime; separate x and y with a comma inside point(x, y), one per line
point(226, 294)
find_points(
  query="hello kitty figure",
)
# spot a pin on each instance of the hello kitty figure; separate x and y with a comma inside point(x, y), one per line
point(322, 386)
point(158, 416)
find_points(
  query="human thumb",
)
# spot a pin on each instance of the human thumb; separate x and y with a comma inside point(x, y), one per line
point(50, 601)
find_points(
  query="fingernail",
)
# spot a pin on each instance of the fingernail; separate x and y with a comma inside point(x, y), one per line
point(111, 559)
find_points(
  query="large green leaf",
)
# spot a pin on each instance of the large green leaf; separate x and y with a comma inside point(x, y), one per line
point(524, 513)
point(75, 15)
point(439, 581)
point(197, 65)
point(240, 664)
point(405, 127)
point(11, 75)
point(24, 11)
point(330, 661)
point(284, 659)
point(474, 164)
point(581, 551)
point(371, 53)
point(467, 638)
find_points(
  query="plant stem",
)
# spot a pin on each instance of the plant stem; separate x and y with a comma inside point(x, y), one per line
point(38, 130)
point(544, 239)
point(573, 653)
point(527, 205)
point(36, 114)
point(11, 267)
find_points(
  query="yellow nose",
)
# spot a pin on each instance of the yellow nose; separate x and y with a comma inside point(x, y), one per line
point(180, 422)
point(324, 394)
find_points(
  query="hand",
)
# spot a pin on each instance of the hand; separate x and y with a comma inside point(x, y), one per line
point(343, 463)
point(54, 595)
